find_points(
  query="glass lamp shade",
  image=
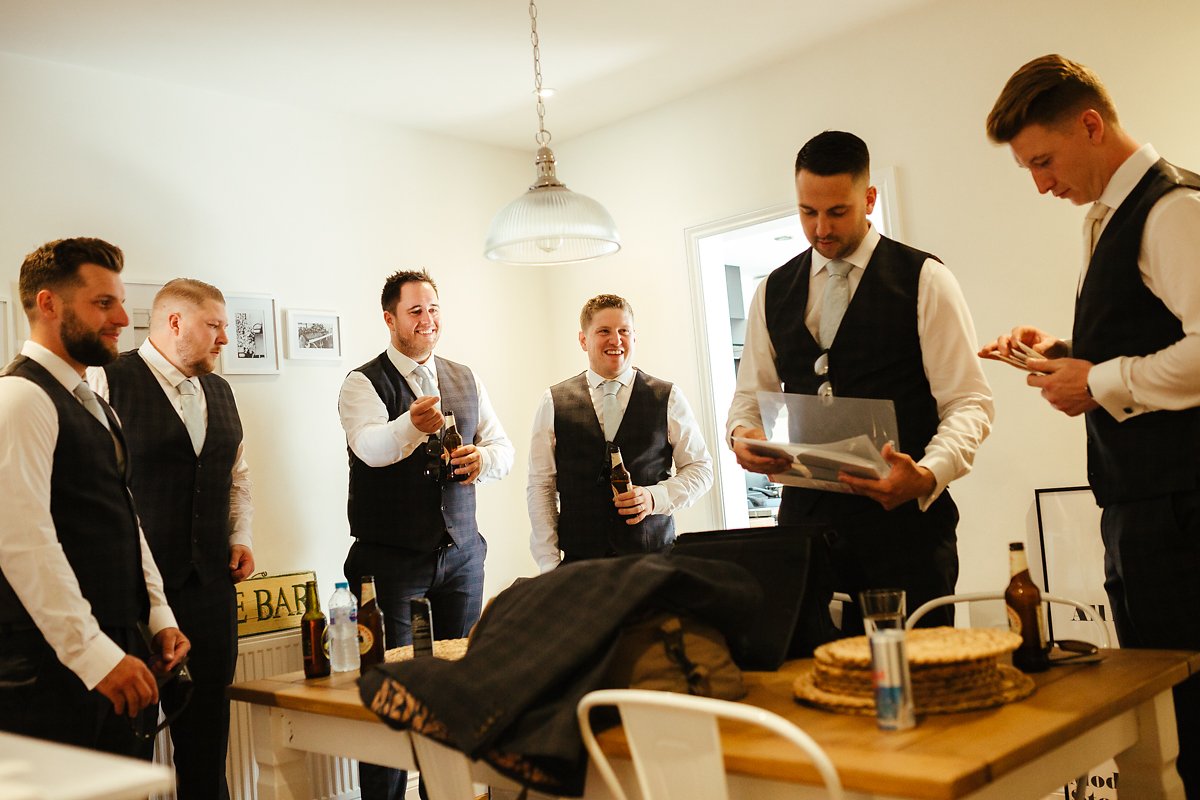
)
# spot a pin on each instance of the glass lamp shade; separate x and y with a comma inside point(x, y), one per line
point(550, 224)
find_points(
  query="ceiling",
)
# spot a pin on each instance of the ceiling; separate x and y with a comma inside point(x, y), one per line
point(461, 68)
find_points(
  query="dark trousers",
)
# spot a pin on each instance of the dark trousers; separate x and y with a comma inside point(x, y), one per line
point(40, 697)
point(452, 580)
point(207, 615)
point(1152, 576)
point(870, 548)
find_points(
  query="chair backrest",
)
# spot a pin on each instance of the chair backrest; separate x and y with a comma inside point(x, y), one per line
point(1088, 612)
point(445, 771)
point(676, 745)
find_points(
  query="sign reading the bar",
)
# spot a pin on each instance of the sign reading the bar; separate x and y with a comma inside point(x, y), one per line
point(268, 603)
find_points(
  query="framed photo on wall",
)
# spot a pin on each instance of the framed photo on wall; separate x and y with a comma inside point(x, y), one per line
point(253, 347)
point(313, 334)
point(139, 299)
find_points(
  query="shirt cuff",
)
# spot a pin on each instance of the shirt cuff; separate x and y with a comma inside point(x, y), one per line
point(97, 661)
point(943, 473)
point(660, 498)
point(1106, 384)
point(548, 562)
point(162, 617)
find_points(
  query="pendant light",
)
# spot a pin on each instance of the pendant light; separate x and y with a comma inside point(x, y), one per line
point(549, 224)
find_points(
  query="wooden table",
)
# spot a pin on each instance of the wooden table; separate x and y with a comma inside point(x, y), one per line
point(1079, 717)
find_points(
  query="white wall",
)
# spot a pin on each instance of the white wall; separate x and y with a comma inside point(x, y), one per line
point(918, 90)
point(313, 209)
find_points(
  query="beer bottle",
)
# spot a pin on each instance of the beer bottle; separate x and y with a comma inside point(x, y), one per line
point(451, 441)
point(1026, 614)
point(618, 476)
point(371, 644)
point(421, 622)
point(312, 634)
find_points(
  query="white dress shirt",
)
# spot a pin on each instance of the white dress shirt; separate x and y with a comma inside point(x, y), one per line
point(693, 464)
point(31, 556)
point(380, 442)
point(1128, 386)
point(948, 347)
point(241, 507)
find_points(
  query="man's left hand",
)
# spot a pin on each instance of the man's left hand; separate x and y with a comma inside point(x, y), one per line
point(635, 505)
point(171, 645)
point(241, 562)
point(906, 481)
point(1064, 384)
point(467, 460)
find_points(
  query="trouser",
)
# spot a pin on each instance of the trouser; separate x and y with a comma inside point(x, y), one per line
point(41, 697)
point(207, 615)
point(451, 578)
point(1151, 569)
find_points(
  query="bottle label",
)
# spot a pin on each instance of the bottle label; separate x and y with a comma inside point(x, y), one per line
point(1014, 621)
point(366, 640)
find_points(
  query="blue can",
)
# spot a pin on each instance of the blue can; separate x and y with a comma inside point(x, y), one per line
point(894, 709)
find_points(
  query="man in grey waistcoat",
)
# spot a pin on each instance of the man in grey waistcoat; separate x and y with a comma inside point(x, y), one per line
point(573, 510)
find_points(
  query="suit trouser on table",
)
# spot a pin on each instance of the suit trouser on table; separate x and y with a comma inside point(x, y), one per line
point(451, 578)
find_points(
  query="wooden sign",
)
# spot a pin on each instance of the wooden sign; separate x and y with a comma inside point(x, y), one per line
point(268, 603)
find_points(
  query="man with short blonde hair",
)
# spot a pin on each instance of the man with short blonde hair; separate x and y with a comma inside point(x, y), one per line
point(1132, 364)
point(192, 486)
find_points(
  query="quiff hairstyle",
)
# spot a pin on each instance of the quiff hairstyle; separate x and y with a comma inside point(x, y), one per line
point(395, 282)
point(189, 290)
point(599, 303)
point(835, 153)
point(1047, 91)
point(55, 266)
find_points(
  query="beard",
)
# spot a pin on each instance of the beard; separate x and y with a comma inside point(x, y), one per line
point(83, 344)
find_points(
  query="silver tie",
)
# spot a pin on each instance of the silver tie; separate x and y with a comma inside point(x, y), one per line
point(425, 381)
point(611, 410)
point(1091, 233)
point(193, 416)
point(835, 300)
point(88, 398)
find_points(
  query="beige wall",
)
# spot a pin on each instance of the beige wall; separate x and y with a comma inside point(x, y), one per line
point(316, 210)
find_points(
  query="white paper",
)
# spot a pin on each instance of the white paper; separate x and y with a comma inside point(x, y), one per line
point(816, 466)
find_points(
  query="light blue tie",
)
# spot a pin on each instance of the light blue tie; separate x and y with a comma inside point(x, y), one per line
point(835, 300)
point(425, 381)
point(193, 416)
point(611, 409)
point(88, 398)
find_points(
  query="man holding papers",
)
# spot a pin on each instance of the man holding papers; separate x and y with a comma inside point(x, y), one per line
point(880, 320)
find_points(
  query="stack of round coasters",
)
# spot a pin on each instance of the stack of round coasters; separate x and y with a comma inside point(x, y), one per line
point(953, 669)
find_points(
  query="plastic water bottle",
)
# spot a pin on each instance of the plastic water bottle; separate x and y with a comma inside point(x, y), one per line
point(343, 629)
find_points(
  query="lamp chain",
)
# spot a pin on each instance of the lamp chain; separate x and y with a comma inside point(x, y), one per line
point(543, 135)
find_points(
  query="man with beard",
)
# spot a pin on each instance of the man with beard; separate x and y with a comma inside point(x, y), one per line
point(572, 510)
point(416, 534)
point(862, 315)
point(77, 575)
point(192, 488)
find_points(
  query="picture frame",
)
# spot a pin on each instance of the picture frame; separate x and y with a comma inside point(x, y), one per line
point(139, 300)
point(313, 334)
point(253, 347)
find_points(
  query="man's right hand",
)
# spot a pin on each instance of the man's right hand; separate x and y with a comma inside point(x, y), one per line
point(425, 415)
point(1039, 340)
point(129, 686)
point(753, 462)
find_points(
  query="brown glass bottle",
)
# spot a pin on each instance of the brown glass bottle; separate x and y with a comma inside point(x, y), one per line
point(451, 441)
point(312, 635)
point(1026, 615)
point(618, 476)
point(435, 457)
point(371, 645)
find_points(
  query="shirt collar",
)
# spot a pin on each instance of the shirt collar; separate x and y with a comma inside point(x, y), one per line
point(62, 372)
point(159, 363)
point(405, 365)
point(596, 380)
point(859, 258)
point(1126, 178)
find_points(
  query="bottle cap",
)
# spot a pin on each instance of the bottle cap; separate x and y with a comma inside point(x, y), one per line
point(341, 585)
point(1016, 545)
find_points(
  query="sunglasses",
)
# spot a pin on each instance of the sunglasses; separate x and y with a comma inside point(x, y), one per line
point(176, 681)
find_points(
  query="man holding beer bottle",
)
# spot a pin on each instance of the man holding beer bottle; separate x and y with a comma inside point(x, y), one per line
point(413, 530)
point(611, 409)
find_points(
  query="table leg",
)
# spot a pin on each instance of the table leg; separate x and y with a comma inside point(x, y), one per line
point(1147, 770)
point(282, 770)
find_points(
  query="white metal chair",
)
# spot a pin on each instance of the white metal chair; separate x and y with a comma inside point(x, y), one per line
point(445, 771)
point(676, 745)
point(1089, 613)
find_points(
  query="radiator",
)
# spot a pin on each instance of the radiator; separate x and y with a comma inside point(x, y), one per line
point(261, 657)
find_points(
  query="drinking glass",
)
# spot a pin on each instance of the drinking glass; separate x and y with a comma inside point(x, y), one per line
point(882, 608)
